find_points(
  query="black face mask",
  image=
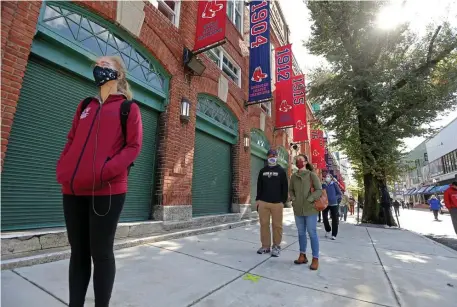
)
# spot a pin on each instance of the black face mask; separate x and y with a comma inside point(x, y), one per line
point(104, 74)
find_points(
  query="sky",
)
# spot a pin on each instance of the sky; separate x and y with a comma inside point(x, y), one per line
point(418, 12)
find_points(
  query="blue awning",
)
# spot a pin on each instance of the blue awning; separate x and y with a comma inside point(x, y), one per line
point(428, 190)
point(408, 192)
point(422, 190)
point(413, 191)
point(442, 188)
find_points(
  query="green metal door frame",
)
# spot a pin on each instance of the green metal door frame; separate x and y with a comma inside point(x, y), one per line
point(259, 143)
point(283, 157)
point(214, 118)
point(59, 40)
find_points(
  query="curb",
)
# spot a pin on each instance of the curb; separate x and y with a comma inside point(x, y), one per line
point(435, 242)
point(56, 256)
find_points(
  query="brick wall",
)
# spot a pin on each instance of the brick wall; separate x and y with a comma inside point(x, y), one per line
point(19, 20)
point(165, 42)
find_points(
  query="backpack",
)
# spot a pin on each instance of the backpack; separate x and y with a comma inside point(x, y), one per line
point(124, 116)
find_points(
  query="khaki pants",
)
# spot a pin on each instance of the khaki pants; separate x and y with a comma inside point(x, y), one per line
point(275, 211)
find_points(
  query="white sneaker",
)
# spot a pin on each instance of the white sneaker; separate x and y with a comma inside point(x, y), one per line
point(333, 238)
point(327, 234)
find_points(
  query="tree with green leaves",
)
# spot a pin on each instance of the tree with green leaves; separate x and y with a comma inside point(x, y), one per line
point(379, 87)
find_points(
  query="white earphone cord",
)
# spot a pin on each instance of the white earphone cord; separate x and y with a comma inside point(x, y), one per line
point(93, 169)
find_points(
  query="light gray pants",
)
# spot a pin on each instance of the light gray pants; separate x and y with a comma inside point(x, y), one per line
point(453, 212)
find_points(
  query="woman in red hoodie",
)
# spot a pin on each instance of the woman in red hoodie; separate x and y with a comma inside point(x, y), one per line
point(92, 170)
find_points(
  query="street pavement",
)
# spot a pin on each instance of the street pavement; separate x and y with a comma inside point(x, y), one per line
point(364, 267)
point(423, 222)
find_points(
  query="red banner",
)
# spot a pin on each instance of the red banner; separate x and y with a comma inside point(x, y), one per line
point(318, 148)
point(210, 23)
point(299, 111)
point(284, 95)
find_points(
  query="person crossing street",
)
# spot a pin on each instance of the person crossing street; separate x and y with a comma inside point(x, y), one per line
point(272, 194)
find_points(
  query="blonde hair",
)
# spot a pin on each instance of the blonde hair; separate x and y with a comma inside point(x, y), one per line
point(122, 85)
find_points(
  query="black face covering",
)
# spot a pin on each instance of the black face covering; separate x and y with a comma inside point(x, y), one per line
point(104, 74)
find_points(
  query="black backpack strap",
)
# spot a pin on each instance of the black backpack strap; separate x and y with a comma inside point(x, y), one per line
point(85, 103)
point(125, 111)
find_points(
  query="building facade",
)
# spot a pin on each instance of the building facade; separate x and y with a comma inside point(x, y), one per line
point(205, 166)
point(413, 180)
point(442, 155)
point(433, 165)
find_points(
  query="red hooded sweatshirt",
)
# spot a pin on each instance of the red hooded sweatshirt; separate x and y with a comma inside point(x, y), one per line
point(94, 161)
point(450, 197)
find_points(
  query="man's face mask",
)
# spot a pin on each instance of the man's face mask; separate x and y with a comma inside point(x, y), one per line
point(272, 161)
point(104, 74)
point(328, 179)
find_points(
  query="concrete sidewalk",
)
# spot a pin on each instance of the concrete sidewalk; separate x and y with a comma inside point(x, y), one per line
point(364, 267)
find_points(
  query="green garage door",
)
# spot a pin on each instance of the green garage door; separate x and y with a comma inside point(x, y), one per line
point(212, 176)
point(256, 165)
point(31, 197)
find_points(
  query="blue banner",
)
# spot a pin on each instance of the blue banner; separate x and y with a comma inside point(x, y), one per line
point(259, 51)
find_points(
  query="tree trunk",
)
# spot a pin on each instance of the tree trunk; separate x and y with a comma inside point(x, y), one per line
point(385, 214)
point(371, 205)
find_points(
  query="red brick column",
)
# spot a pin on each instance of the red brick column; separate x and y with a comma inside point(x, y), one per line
point(19, 20)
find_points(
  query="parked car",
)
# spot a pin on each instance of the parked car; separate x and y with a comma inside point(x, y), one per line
point(444, 209)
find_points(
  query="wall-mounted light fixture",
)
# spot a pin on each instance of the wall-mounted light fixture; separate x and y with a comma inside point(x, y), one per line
point(193, 63)
point(246, 141)
point(185, 110)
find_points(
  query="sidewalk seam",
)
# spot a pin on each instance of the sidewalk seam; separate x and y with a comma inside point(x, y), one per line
point(231, 281)
point(323, 291)
point(40, 287)
point(397, 298)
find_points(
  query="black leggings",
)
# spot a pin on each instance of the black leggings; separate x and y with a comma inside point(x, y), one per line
point(334, 212)
point(92, 237)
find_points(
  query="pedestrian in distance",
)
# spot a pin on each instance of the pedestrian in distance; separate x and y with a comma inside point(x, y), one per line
point(397, 205)
point(403, 204)
point(334, 197)
point(435, 206)
point(272, 194)
point(344, 207)
point(352, 205)
point(305, 188)
point(93, 170)
point(450, 200)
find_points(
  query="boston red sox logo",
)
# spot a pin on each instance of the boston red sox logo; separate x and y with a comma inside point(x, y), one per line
point(285, 107)
point(258, 75)
point(300, 125)
point(85, 113)
point(211, 8)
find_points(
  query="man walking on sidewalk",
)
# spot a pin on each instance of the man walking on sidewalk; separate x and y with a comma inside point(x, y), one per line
point(450, 200)
point(272, 194)
point(397, 205)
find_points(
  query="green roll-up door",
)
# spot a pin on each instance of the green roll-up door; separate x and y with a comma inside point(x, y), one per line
point(31, 197)
point(256, 165)
point(139, 196)
point(212, 173)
